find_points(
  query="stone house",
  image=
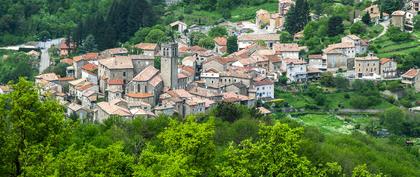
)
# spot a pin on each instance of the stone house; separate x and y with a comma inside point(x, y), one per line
point(77, 110)
point(115, 68)
point(141, 97)
point(232, 97)
point(339, 55)
point(238, 88)
point(140, 62)
point(360, 45)
point(233, 76)
point(115, 89)
point(317, 61)
point(294, 69)
point(149, 49)
point(106, 109)
point(147, 81)
point(264, 88)
point(89, 99)
point(287, 50)
point(205, 93)
point(179, 26)
point(375, 13)
point(220, 45)
point(218, 63)
point(367, 67)
point(412, 78)
point(247, 39)
point(81, 60)
point(114, 52)
point(90, 73)
point(388, 68)
point(211, 78)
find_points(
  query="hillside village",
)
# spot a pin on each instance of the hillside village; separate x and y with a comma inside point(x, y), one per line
point(210, 88)
point(193, 79)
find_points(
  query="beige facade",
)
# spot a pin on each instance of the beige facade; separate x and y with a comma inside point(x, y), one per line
point(367, 66)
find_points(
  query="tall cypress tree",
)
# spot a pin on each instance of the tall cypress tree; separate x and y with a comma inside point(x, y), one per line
point(297, 17)
point(135, 14)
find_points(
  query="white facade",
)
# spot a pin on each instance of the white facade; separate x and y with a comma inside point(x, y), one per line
point(265, 91)
point(93, 78)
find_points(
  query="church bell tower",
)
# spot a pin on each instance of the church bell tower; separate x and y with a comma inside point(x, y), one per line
point(169, 65)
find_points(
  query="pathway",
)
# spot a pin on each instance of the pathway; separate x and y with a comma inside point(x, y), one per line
point(385, 24)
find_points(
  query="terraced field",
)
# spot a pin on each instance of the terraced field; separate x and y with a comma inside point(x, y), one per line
point(388, 48)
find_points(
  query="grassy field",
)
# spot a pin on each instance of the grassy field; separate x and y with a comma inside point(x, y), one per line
point(388, 48)
point(335, 100)
point(336, 124)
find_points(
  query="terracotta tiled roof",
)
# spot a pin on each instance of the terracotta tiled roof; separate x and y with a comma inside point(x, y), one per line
point(118, 62)
point(114, 109)
point(48, 77)
point(146, 46)
point(68, 61)
point(315, 56)
point(146, 74)
point(263, 82)
point(220, 41)
point(385, 60)
point(155, 80)
point(88, 56)
point(182, 76)
point(293, 61)
point(116, 82)
point(90, 67)
point(181, 93)
point(274, 58)
point(222, 60)
point(139, 95)
point(286, 47)
point(257, 37)
point(85, 86)
point(264, 110)
point(367, 58)
point(398, 13)
point(338, 46)
point(115, 51)
point(66, 78)
point(411, 73)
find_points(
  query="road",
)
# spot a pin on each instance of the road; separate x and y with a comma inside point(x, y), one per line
point(385, 24)
point(44, 63)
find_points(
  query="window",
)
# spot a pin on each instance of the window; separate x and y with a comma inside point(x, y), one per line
point(124, 74)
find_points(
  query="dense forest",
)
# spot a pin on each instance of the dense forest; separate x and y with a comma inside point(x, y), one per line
point(231, 140)
point(26, 20)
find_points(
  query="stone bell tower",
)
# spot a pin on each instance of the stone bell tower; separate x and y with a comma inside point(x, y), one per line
point(169, 65)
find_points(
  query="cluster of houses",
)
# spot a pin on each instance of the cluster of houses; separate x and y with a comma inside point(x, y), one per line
point(192, 79)
point(404, 19)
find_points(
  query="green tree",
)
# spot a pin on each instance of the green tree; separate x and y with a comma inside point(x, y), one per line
point(26, 121)
point(232, 44)
point(195, 37)
point(89, 45)
point(358, 28)
point(286, 37)
point(207, 43)
point(297, 17)
point(366, 19)
point(184, 149)
point(394, 119)
point(275, 153)
point(417, 22)
point(396, 35)
point(218, 31)
point(362, 171)
point(390, 6)
point(155, 36)
point(335, 26)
